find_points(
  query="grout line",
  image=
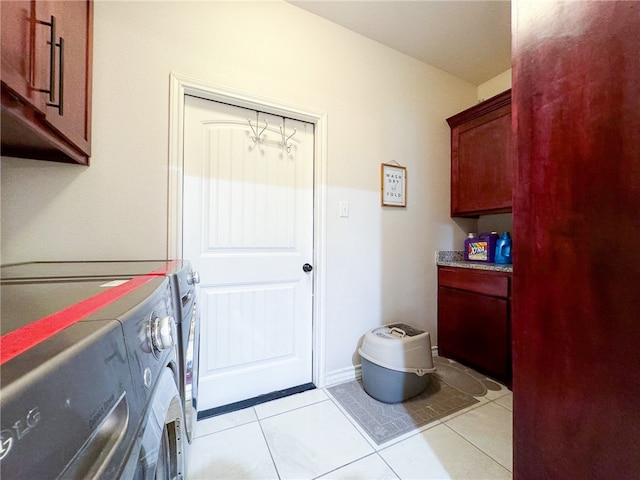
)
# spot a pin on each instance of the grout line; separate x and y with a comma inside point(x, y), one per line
point(477, 448)
point(225, 429)
point(390, 467)
point(351, 463)
point(296, 407)
point(299, 407)
point(502, 406)
point(264, 437)
point(351, 420)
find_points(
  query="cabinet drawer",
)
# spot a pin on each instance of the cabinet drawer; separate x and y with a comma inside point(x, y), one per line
point(488, 283)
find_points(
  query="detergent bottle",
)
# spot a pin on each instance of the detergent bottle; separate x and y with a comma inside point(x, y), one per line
point(482, 248)
point(503, 249)
point(468, 245)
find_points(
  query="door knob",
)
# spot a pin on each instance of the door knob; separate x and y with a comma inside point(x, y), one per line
point(307, 267)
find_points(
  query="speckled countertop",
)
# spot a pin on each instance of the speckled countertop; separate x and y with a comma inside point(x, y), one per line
point(448, 258)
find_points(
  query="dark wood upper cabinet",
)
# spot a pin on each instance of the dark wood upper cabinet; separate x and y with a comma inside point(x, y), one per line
point(46, 92)
point(481, 158)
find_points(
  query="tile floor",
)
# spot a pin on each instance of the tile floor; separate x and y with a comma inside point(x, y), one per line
point(309, 436)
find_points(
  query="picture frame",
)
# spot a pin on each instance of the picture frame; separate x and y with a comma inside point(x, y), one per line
point(393, 185)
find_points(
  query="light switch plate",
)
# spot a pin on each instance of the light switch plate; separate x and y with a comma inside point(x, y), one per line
point(344, 208)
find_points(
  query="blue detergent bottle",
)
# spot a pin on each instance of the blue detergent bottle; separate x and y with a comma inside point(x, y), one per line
point(503, 249)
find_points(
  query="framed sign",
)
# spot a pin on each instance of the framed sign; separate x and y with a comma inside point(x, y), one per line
point(393, 189)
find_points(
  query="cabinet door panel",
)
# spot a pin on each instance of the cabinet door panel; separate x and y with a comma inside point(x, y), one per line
point(473, 329)
point(484, 174)
point(482, 158)
point(24, 50)
point(73, 20)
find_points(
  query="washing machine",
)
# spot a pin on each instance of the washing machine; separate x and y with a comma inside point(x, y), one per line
point(183, 284)
point(89, 375)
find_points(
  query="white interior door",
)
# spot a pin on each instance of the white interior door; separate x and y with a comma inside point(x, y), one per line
point(248, 230)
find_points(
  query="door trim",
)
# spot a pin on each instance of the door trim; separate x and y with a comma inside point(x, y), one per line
point(179, 87)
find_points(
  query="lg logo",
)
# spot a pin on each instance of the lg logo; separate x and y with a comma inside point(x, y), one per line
point(8, 436)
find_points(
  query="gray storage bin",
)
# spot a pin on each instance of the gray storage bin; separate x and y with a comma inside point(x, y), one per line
point(396, 362)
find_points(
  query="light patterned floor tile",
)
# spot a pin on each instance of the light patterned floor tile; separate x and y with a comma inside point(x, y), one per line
point(370, 468)
point(311, 441)
point(439, 453)
point(490, 428)
point(506, 401)
point(237, 453)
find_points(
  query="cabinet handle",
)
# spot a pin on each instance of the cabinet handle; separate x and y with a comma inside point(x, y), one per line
point(52, 67)
point(60, 80)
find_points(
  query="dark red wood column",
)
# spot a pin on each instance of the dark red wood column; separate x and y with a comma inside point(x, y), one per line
point(576, 296)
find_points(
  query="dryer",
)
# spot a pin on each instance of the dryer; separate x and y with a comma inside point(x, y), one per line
point(89, 379)
point(183, 284)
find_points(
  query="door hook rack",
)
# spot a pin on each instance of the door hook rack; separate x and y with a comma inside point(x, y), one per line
point(258, 137)
point(285, 140)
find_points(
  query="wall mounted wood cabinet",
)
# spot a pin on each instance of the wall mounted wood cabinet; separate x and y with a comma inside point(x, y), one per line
point(474, 320)
point(46, 80)
point(482, 159)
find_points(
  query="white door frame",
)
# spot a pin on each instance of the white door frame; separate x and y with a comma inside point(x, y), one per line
point(179, 86)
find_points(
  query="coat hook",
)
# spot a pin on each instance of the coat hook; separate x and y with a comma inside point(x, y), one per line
point(257, 137)
point(285, 139)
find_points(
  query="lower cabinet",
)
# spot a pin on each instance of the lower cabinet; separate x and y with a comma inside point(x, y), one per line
point(474, 320)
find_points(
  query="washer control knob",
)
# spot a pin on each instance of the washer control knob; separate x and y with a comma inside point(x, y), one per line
point(147, 377)
point(163, 333)
point(193, 278)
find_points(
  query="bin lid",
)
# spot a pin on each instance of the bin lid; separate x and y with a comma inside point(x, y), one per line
point(397, 330)
point(399, 347)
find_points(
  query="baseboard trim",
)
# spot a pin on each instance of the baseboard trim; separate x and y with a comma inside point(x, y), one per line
point(342, 376)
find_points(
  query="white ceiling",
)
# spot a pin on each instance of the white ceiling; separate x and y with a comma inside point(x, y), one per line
point(469, 39)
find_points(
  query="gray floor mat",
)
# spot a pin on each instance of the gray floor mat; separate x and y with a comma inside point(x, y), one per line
point(384, 422)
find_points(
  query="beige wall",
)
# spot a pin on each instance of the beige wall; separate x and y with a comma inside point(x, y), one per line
point(381, 106)
point(494, 86)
